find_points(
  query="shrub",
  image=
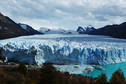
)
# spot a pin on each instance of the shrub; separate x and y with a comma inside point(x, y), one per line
point(29, 81)
point(19, 76)
point(35, 75)
point(2, 74)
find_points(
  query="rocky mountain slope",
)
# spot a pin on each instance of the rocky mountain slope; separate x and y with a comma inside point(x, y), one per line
point(29, 29)
point(118, 31)
point(9, 29)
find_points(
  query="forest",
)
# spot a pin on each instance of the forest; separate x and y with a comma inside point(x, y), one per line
point(48, 74)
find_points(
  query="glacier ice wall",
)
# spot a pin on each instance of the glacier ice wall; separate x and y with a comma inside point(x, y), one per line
point(69, 50)
point(63, 52)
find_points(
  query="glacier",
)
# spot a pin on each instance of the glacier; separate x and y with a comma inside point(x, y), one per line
point(64, 49)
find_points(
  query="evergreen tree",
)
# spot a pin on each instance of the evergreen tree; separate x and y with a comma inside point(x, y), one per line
point(102, 79)
point(49, 74)
point(23, 69)
point(120, 74)
point(118, 77)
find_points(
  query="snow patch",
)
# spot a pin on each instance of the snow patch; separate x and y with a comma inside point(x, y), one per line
point(24, 26)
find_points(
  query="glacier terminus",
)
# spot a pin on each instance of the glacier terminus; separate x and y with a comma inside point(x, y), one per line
point(64, 49)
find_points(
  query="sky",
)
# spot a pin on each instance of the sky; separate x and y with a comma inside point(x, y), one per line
point(66, 14)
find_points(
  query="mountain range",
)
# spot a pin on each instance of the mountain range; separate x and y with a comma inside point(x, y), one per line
point(117, 31)
point(9, 28)
point(56, 31)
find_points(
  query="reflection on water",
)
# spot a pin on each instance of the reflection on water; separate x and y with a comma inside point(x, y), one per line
point(109, 69)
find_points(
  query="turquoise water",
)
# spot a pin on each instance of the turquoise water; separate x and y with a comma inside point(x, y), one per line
point(109, 69)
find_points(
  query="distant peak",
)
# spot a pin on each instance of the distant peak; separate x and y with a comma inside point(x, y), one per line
point(89, 26)
point(85, 30)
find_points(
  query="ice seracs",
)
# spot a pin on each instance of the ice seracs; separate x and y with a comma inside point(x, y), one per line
point(64, 49)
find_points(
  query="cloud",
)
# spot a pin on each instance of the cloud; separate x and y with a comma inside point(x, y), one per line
point(68, 14)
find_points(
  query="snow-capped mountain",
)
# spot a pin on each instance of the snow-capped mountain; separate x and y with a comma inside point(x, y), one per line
point(29, 29)
point(80, 29)
point(56, 31)
point(64, 49)
point(85, 30)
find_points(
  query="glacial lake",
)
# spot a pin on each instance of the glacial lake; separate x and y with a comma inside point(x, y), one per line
point(109, 69)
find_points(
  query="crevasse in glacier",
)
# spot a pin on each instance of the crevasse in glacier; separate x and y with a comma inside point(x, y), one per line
point(62, 51)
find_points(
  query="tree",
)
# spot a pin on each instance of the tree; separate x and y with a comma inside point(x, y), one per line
point(23, 69)
point(118, 77)
point(102, 79)
point(120, 74)
point(49, 74)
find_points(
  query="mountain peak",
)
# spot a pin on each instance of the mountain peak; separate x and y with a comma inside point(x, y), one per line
point(85, 30)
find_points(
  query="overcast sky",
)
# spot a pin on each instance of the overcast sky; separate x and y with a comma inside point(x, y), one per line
point(67, 14)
